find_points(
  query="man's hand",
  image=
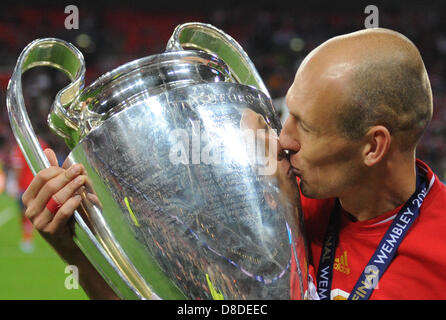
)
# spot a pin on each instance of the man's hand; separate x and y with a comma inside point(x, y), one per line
point(61, 185)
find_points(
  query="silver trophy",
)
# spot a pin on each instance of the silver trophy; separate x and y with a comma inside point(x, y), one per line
point(186, 198)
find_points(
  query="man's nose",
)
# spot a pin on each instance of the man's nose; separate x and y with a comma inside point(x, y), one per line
point(288, 141)
point(287, 149)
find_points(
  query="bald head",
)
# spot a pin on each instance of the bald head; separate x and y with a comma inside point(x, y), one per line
point(380, 79)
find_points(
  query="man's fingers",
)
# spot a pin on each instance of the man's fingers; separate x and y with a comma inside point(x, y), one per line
point(64, 214)
point(60, 197)
point(42, 177)
point(53, 186)
point(69, 189)
point(66, 163)
point(51, 156)
point(38, 182)
point(38, 212)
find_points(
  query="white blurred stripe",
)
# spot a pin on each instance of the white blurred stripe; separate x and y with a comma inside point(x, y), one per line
point(6, 215)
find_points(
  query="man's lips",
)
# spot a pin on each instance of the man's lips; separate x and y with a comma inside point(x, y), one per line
point(285, 154)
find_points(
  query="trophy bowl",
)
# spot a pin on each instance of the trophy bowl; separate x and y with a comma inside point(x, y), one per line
point(186, 198)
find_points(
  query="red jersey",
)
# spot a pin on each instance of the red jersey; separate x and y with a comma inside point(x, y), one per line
point(418, 270)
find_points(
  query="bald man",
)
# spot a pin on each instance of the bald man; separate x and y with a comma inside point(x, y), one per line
point(358, 106)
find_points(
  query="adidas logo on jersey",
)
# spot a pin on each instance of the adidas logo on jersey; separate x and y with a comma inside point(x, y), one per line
point(341, 264)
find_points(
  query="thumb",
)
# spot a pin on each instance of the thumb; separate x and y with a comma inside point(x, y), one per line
point(51, 156)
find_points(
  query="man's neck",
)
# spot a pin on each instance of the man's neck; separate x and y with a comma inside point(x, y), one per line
point(384, 189)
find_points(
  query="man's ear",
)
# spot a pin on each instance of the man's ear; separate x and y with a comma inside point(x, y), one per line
point(377, 144)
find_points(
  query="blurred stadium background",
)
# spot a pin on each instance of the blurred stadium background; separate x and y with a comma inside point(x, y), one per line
point(276, 36)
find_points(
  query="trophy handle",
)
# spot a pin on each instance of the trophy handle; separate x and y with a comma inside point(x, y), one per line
point(208, 38)
point(60, 55)
point(67, 58)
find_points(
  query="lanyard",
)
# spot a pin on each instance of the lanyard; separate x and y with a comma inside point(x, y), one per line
point(383, 255)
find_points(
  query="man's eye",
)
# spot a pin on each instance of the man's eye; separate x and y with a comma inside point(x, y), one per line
point(303, 127)
point(300, 123)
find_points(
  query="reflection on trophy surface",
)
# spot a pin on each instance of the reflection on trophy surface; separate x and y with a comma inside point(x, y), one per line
point(186, 197)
